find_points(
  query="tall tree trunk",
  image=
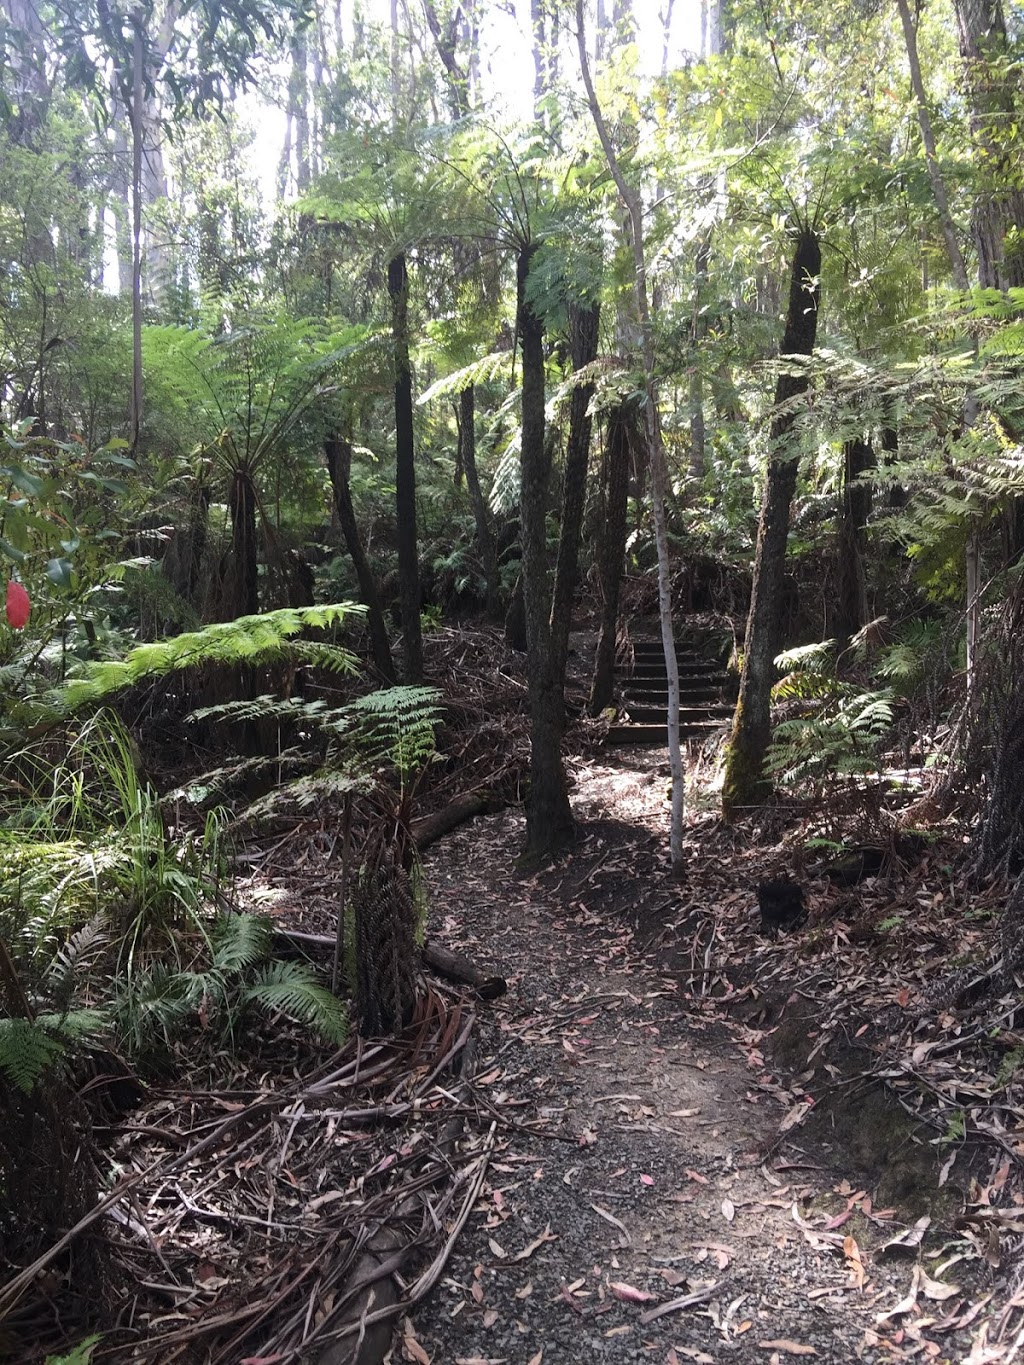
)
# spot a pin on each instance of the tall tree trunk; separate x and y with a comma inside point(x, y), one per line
point(633, 205)
point(583, 335)
point(137, 135)
point(949, 233)
point(549, 822)
point(338, 452)
point(855, 508)
point(405, 474)
point(243, 596)
point(994, 89)
point(745, 783)
point(622, 435)
point(484, 534)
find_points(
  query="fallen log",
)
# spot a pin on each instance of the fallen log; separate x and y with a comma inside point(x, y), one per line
point(429, 828)
point(452, 966)
point(455, 967)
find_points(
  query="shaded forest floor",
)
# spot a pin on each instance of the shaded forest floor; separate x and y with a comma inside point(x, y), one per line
point(673, 1139)
point(671, 1190)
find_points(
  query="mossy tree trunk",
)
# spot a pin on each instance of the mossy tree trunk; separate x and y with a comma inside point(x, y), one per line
point(549, 822)
point(405, 473)
point(745, 782)
point(338, 452)
point(621, 439)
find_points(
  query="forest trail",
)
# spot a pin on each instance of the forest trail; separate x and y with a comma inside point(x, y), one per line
point(657, 1199)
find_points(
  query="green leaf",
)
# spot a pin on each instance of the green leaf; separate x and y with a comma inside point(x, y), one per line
point(8, 549)
point(60, 572)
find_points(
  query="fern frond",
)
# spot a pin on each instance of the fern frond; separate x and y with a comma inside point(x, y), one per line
point(249, 639)
point(29, 1047)
point(240, 941)
point(481, 371)
point(396, 725)
point(292, 989)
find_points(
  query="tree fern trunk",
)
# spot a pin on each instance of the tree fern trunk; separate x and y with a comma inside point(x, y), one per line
point(338, 452)
point(622, 436)
point(745, 783)
point(549, 823)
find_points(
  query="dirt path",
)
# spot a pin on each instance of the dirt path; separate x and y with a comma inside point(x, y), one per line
point(653, 1163)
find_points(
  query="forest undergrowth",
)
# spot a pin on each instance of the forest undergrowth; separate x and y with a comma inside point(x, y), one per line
point(259, 1199)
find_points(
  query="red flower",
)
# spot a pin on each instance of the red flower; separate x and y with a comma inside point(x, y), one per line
point(18, 605)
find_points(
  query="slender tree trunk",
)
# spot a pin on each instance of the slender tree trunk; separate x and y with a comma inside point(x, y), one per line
point(244, 596)
point(405, 474)
point(549, 822)
point(949, 233)
point(583, 336)
point(855, 508)
point(137, 134)
point(484, 535)
point(612, 551)
point(745, 783)
point(338, 452)
point(633, 206)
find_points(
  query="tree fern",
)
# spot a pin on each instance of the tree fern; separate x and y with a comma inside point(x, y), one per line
point(396, 725)
point(249, 639)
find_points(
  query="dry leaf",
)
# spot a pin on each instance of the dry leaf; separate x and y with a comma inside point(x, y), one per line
point(526, 1290)
point(497, 1249)
point(728, 1210)
point(629, 1294)
point(909, 1238)
point(490, 1317)
point(936, 1290)
point(853, 1262)
point(537, 1359)
point(796, 1115)
point(546, 1236)
point(477, 1290)
point(789, 1348)
point(411, 1348)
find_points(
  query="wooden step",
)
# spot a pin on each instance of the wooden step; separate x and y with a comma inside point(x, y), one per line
point(687, 714)
point(653, 692)
point(656, 734)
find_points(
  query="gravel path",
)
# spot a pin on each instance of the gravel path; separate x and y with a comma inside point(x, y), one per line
point(653, 1198)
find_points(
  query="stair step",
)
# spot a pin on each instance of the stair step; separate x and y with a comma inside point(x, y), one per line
point(655, 734)
point(655, 689)
point(687, 714)
point(647, 670)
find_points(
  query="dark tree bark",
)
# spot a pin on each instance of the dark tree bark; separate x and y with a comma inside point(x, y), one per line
point(622, 438)
point(549, 822)
point(242, 594)
point(515, 618)
point(583, 330)
point(745, 783)
point(851, 585)
point(405, 474)
point(338, 452)
point(484, 534)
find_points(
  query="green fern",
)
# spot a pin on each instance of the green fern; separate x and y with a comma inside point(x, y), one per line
point(291, 988)
point(28, 1047)
point(240, 941)
point(249, 640)
point(80, 1355)
point(396, 725)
